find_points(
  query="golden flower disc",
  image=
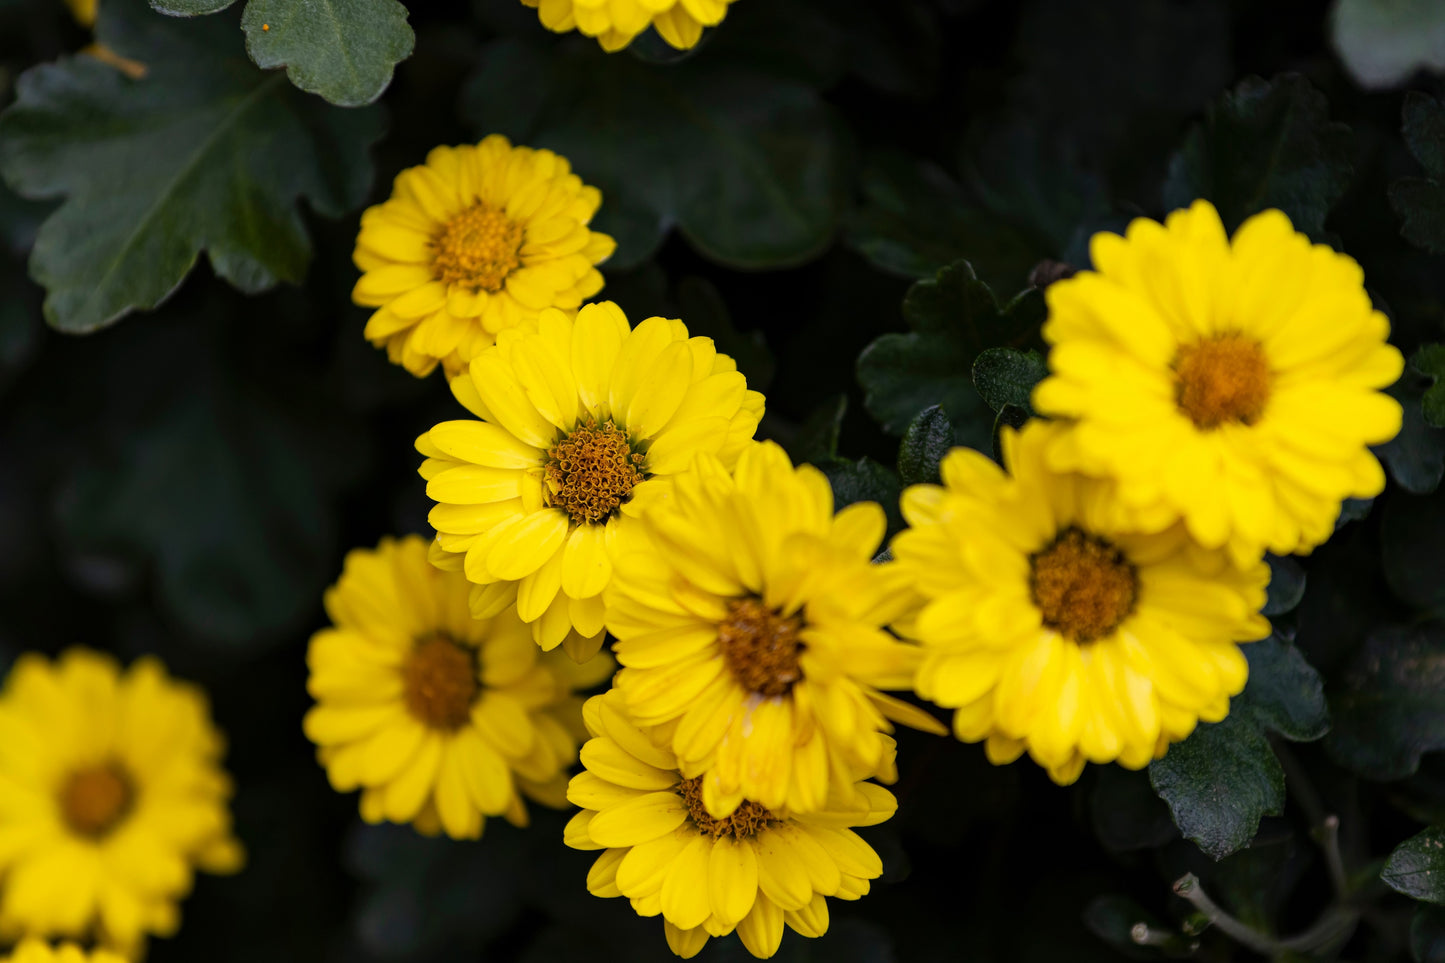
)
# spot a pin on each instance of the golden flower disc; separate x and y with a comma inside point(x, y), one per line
point(439, 682)
point(94, 800)
point(1222, 379)
point(591, 472)
point(1083, 585)
point(760, 647)
point(746, 821)
point(478, 248)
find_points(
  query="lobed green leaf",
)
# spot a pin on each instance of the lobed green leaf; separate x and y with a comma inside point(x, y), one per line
point(1417, 866)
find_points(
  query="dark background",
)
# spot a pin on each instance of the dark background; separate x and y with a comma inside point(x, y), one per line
point(186, 482)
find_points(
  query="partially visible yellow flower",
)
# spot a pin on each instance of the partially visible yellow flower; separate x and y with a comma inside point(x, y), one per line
point(1234, 385)
point(111, 795)
point(752, 871)
point(34, 951)
point(475, 241)
point(581, 423)
point(1051, 630)
point(83, 11)
point(439, 719)
point(753, 621)
point(616, 23)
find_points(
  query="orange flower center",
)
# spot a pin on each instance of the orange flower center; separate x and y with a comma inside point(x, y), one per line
point(439, 683)
point(748, 819)
point(477, 248)
point(1222, 379)
point(93, 801)
point(591, 472)
point(761, 647)
point(1083, 586)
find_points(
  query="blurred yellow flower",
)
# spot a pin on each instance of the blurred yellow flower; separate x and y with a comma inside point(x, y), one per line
point(439, 719)
point(752, 619)
point(581, 424)
point(752, 871)
point(111, 795)
point(1230, 384)
point(616, 23)
point(475, 241)
point(83, 11)
point(34, 951)
point(1050, 630)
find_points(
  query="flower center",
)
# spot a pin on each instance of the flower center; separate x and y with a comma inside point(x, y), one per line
point(1083, 585)
point(591, 472)
point(94, 800)
point(761, 647)
point(439, 682)
point(748, 819)
point(477, 248)
point(1222, 379)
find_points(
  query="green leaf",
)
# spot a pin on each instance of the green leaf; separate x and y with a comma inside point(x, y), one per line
point(816, 440)
point(925, 443)
point(1383, 42)
point(1417, 866)
point(864, 480)
point(1286, 585)
point(1411, 534)
point(344, 50)
point(1389, 707)
point(1266, 144)
point(1415, 457)
point(1430, 362)
point(915, 219)
point(1006, 377)
point(954, 317)
point(747, 162)
point(1419, 202)
point(1427, 935)
point(1224, 778)
point(204, 153)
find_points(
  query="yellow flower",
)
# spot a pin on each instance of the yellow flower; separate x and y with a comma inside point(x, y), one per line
point(1231, 384)
point(83, 11)
point(34, 951)
point(441, 720)
point(111, 794)
point(753, 620)
point(1050, 629)
point(475, 241)
point(616, 23)
point(752, 871)
point(581, 424)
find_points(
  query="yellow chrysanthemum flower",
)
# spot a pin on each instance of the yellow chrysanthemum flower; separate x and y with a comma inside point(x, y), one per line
point(1051, 630)
point(439, 719)
point(1233, 384)
point(475, 241)
point(752, 871)
point(34, 951)
point(111, 795)
point(616, 23)
point(753, 620)
point(581, 424)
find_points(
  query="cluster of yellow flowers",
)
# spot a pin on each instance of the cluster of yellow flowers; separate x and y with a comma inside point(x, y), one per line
point(1208, 400)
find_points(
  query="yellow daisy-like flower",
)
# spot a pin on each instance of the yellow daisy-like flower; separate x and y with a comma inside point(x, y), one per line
point(753, 621)
point(1051, 630)
point(1231, 384)
point(475, 241)
point(582, 423)
point(439, 719)
point(616, 23)
point(111, 795)
point(34, 951)
point(752, 871)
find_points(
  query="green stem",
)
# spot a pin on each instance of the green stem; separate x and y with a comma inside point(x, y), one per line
point(1334, 923)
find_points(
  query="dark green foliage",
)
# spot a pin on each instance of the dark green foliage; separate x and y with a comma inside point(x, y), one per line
point(204, 154)
point(746, 160)
point(1265, 144)
point(954, 317)
point(1005, 377)
point(1222, 779)
point(1430, 361)
point(1389, 708)
point(925, 443)
point(1420, 201)
point(1417, 866)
